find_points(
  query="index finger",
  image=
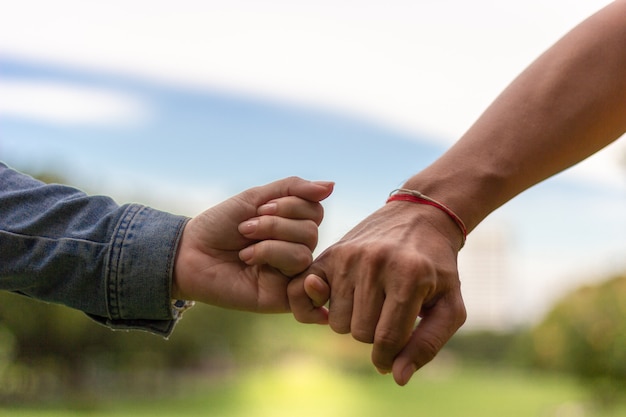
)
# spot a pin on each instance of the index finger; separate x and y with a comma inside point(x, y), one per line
point(304, 308)
point(293, 207)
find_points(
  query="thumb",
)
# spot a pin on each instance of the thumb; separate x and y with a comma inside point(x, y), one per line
point(317, 289)
point(319, 190)
point(292, 186)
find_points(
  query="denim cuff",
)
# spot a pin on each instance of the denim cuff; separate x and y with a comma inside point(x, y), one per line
point(139, 268)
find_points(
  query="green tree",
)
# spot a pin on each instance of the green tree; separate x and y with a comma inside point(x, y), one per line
point(585, 335)
point(46, 348)
point(52, 350)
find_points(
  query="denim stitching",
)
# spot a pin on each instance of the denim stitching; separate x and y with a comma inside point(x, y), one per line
point(115, 274)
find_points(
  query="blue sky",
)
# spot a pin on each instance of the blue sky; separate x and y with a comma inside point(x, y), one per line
point(204, 140)
point(182, 106)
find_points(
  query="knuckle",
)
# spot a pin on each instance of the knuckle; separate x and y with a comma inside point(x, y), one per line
point(387, 339)
point(423, 279)
point(298, 302)
point(375, 253)
point(311, 234)
point(340, 329)
point(302, 259)
point(428, 348)
point(302, 316)
point(293, 179)
point(260, 251)
point(289, 182)
point(338, 326)
point(269, 224)
point(302, 254)
point(295, 290)
point(363, 335)
point(318, 214)
point(459, 313)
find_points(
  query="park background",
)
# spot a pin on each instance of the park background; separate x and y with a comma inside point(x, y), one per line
point(181, 105)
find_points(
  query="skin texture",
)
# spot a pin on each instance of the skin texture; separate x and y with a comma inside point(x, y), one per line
point(400, 263)
point(241, 253)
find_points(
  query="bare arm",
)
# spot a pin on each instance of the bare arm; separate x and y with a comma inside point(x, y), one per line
point(400, 262)
point(568, 104)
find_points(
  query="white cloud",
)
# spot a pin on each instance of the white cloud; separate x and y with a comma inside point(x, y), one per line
point(418, 65)
point(64, 103)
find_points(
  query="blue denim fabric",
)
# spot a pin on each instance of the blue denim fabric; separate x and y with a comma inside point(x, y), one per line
point(113, 262)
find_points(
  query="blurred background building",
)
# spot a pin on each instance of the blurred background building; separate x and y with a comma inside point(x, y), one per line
point(485, 270)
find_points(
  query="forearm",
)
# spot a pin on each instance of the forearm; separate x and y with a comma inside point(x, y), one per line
point(112, 262)
point(567, 105)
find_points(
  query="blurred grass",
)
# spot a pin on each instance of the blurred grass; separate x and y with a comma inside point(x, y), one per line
point(306, 371)
point(306, 387)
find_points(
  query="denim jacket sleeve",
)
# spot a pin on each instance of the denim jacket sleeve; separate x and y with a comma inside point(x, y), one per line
point(112, 262)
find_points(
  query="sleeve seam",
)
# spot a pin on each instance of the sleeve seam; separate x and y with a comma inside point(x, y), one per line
point(112, 269)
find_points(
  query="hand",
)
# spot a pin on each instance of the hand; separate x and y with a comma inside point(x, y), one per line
point(395, 266)
point(241, 253)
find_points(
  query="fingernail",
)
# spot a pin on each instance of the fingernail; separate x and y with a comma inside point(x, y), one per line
point(320, 286)
point(269, 208)
point(407, 373)
point(249, 227)
point(324, 183)
point(246, 254)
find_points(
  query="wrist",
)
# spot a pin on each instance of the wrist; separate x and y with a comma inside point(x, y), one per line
point(471, 193)
point(425, 221)
point(179, 302)
point(416, 197)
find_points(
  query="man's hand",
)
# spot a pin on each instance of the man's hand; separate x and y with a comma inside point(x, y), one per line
point(397, 266)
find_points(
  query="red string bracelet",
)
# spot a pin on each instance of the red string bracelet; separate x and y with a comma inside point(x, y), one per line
point(413, 196)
